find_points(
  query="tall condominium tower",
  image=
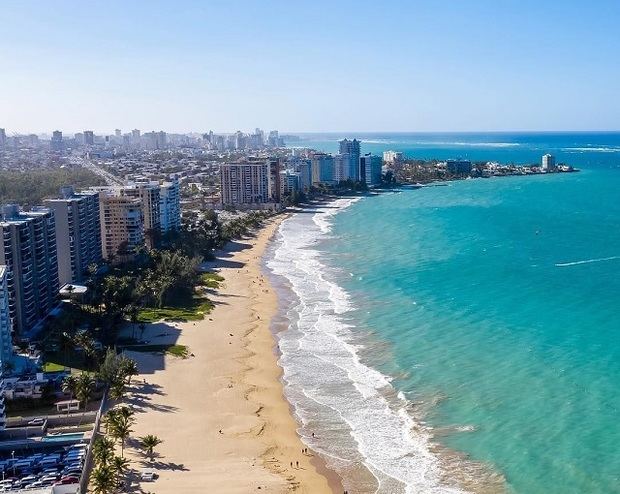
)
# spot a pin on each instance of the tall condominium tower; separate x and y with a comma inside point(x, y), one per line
point(352, 150)
point(28, 249)
point(78, 233)
point(56, 142)
point(2, 138)
point(323, 168)
point(246, 182)
point(370, 169)
point(6, 343)
point(170, 206)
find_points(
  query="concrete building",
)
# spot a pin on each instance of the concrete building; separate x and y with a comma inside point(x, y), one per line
point(89, 137)
point(391, 157)
point(56, 142)
point(170, 206)
point(6, 342)
point(323, 168)
point(351, 149)
point(248, 183)
point(341, 167)
point(122, 230)
point(370, 169)
point(548, 162)
point(289, 181)
point(148, 194)
point(28, 249)
point(78, 233)
point(2, 139)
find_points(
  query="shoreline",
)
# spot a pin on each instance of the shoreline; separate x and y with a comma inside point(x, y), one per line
point(225, 423)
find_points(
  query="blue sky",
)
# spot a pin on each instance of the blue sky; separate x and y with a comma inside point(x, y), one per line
point(309, 66)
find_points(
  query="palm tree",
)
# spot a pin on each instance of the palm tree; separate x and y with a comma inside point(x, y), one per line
point(69, 385)
point(149, 443)
point(102, 480)
point(118, 423)
point(103, 451)
point(84, 387)
point(117, 389)
point(129, 368)
point(119, 466)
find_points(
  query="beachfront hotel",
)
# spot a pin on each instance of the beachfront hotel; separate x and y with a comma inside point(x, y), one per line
point(78, 233)
point(28, 249)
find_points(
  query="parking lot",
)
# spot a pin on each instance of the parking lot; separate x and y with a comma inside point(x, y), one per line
point(58, 466)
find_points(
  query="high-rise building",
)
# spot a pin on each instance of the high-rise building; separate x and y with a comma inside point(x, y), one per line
point(89, 137)
point(28, 249)
point(370, 169)
point(247, 183)
point(122, 230)
point(56, 142)
point(6, 342)
point(391, 157)
point(351, 148)
point(2, 138)
point(323, 168)
point(79, 138)
point(548, 162)
point(304, 168)
point(78, 233)
point(117, 133)
point(170, 206)
point(148, 194)
point(342, 167)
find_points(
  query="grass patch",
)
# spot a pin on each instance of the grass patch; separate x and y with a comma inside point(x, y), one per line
point(180, 351)
point(57, 361)
point(53, 367)
point(195, 310)
point(211, 280)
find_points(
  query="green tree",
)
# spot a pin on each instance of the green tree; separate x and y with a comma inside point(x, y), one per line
point(149, 443)
point(102, 480)
point(69, 385)
point(84, 388)
point(119, 466)
point(118, 423)
point(103, 451)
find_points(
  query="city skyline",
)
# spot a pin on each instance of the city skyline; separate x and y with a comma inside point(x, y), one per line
point(316, 67)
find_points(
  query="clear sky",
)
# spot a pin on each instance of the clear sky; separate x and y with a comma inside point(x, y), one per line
point(309, 66)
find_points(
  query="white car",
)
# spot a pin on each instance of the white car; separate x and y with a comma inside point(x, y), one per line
point(148, 475)
point(37, 421)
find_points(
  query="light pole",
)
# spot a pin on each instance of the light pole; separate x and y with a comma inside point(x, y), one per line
point(13, 461)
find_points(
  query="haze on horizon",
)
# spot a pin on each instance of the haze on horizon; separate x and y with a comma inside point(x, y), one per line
point(321, 66)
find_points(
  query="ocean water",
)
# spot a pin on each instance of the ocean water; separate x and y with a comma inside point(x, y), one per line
point(461, 338)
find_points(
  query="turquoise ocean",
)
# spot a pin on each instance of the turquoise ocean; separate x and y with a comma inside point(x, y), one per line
point(460, 338)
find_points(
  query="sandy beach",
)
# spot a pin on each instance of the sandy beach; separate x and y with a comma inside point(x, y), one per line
point(225, 424)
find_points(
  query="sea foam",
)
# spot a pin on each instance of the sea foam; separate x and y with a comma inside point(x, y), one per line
point(358, 420)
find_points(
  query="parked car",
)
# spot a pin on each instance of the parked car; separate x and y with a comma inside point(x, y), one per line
point(67, 480)
point(37, 421)
point(148, 475)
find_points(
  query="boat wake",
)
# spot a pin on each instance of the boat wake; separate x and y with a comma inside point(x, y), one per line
point(586, 261)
